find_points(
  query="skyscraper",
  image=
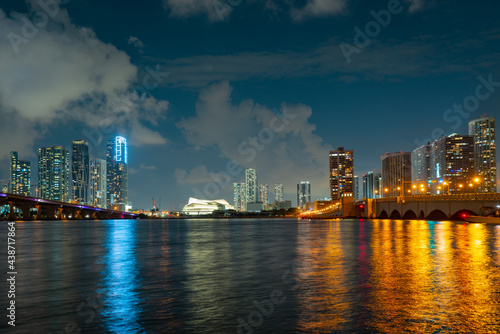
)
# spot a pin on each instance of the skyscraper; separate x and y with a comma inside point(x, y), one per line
point(452, 160)
point(396, 173)
point(279, 192)
point(421, 163)
point(356, 187)
point(239, 190)
point(98, 177)
point(303, 193)
point(20, 175)
point(264, 194)
point(53, 173)
point(80, 172)
point(252, 185)
point(117, 173)
point(341, 172)
point(372, 184)
point(483, 130)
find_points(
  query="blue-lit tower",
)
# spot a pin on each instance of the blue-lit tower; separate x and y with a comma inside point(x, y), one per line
point(117, 173)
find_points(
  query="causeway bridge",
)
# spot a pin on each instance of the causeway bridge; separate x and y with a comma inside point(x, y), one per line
point(30, 208)
point(430, 207)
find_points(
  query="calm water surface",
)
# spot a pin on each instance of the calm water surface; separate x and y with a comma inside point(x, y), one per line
point(254, 276)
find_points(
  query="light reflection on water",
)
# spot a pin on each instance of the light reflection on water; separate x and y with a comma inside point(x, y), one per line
point(209, 276)
point(121, 279)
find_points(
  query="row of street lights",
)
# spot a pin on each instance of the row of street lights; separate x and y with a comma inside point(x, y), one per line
point(422, 188)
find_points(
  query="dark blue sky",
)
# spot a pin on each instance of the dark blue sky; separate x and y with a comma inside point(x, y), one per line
point(230, 75)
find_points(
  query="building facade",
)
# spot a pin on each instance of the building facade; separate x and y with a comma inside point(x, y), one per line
point(252, 185)
point(80, 171)
point(396, 174)
point(264, 194)
point(356, 187)
point(239, 190)
point(341, 172)
point(303, 194)
point(483, 131)
point(279, 192)
point(20, 175)
point(98, 175)
point(452, 162)
point(53, 174)
point(117, 173)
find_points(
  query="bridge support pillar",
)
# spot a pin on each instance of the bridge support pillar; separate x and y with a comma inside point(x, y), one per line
point(12, 214)
point(61, 215)
point(38, 212)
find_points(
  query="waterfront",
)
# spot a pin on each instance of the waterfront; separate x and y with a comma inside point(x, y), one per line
point(265, 276)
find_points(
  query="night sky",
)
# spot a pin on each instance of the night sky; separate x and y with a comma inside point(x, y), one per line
point(201, 87)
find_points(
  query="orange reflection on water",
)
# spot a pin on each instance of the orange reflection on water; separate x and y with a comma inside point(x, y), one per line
point(433, 277)
point(401, 277)
point(321, 271)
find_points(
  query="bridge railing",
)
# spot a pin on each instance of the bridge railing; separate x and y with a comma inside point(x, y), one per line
point(451, 197)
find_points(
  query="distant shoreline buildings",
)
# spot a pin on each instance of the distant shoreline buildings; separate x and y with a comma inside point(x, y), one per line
point(83, 180)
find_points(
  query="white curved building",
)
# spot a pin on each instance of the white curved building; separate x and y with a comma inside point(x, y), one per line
point(197, 206)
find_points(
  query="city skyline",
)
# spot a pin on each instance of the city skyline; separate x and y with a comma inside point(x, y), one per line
point(277, 100)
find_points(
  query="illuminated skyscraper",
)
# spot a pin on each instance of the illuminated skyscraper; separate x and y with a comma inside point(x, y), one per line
point(303, 193)
point(264, 194)
point(98, 177)
point(341, 172)
point(53, 173)
point(80, 172)
point(452, 160)
point(421, 163)
point(483, 130)
point(240, 196)
point(396, 173)
point(117, 173)
point(356, 187)
point(252, 185)
point(20, 175)
point(279, 192)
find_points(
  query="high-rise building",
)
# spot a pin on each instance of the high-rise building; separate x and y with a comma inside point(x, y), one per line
point(279, 192)
point(264, 194)
point(368, 185)
point(452, 161)
point(53, 173)
point(372, 184)
point(117, 173)
point(252, 185)
point(396, 173)
point(421, 163)
point(80, 171)
point(303, 193)
point(483, 130)
point(20, 175)
point(341, 172)
point(98, 175)
point(356, 187)
point(239, 190)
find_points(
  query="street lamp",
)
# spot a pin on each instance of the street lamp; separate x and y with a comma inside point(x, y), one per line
point(477, 183)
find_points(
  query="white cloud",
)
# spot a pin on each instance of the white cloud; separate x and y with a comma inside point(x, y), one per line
point(62, 71)
point(132, 40)
point(186, 8)
point(318, 8)
point(416, 5)
point(197, 175)
point(290, 150)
